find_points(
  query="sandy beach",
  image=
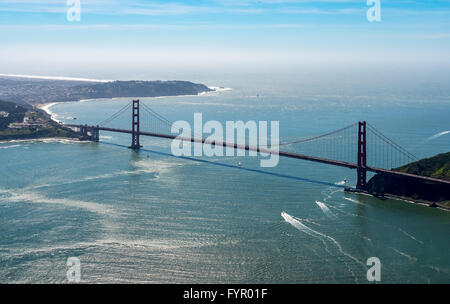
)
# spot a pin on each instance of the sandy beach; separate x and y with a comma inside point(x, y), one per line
point(46, 107)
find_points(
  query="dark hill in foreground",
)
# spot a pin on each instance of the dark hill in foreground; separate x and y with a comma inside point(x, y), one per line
point(436, 167)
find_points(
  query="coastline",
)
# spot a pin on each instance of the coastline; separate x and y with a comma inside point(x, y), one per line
point(402, 199)
point(46, 106)
point(43, 139)
point(46, 139)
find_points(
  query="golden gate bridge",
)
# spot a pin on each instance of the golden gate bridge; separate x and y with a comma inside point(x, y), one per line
point(359, 146)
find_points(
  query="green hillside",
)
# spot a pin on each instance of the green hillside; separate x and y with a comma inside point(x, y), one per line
point(37, 125)
point(437, 167)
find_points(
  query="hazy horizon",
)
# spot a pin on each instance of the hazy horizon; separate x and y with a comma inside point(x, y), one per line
point(118, 39)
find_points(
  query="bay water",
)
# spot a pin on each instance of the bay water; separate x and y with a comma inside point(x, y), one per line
point(155, 218)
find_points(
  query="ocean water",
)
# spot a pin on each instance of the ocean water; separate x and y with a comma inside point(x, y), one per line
point(151, 217)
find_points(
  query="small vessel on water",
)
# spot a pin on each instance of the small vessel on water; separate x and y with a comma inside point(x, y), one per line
point(239, 164)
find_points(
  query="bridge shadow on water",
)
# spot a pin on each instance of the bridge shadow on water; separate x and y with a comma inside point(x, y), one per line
point(233, 166)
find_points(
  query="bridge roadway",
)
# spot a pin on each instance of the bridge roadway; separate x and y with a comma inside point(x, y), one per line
point(268, 151)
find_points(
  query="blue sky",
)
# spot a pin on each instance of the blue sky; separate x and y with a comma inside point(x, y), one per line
point(249, 30)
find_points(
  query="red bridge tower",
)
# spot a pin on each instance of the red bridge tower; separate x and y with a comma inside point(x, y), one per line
point(135, 145)
point(362, 157)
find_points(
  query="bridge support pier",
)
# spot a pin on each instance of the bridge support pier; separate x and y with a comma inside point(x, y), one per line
point(84, 132)
point(135, 144)
point(95, 134)
point(91, 133)
point(362, 157)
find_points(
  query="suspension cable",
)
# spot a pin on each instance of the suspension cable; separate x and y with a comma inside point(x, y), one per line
point(392, 143)
point(117, 114)
point(158, 116)
point(312, 138)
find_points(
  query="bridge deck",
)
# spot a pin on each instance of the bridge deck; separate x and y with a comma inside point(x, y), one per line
point(281, 153)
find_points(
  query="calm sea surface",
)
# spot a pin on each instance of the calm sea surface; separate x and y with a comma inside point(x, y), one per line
point(151, 217)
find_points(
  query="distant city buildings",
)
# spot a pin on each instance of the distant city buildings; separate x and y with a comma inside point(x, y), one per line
point(4, 114)
point(28, 122)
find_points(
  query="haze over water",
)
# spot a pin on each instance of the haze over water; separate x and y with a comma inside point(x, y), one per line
point(133, 218)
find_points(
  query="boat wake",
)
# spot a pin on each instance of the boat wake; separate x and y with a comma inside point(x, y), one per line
point(353, 200)
point(436, 136)
point(297, 224)
point(325, 209)
point(404, 254)
point(302, 227)
point(342, 182)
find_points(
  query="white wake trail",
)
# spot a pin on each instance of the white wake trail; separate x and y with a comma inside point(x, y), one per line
point(302, 227)
point(410, 236)
point(404, 254)
point(353, 201)
point(297, 224)
point(325, 209)
point(437, 136)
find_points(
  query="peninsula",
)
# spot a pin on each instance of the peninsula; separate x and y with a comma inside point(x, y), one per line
point(21, 118)
point(29, 91)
